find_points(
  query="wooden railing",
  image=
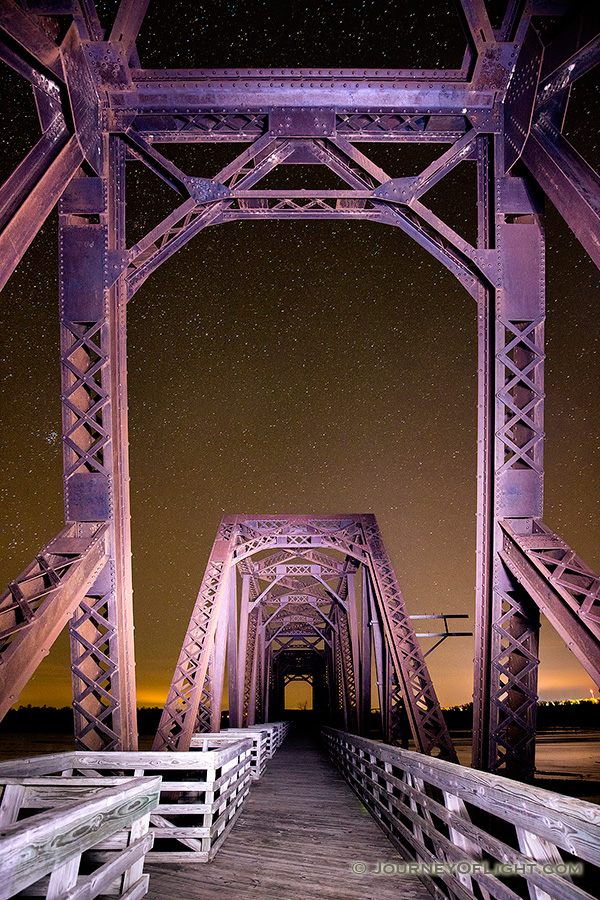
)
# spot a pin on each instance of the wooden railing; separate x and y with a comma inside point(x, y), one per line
point(258, 756)
point(266, 739)
point(201, 793)
point(470, 834)
point(42, 854)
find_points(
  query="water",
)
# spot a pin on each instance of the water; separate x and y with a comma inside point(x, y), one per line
point(18, 746)
point(560, 754)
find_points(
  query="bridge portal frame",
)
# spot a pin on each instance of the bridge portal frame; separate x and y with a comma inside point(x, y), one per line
point(504, 109)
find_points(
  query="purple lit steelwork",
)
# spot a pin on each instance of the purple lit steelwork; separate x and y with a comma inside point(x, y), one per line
point(300, 599)
point(503, 110)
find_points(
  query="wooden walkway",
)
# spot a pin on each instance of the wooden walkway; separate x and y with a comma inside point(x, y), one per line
point(300, 833)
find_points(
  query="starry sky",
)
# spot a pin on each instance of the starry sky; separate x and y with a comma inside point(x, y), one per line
point(299, 366)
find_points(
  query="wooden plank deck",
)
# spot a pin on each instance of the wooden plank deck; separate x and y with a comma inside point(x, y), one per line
point(300, 832)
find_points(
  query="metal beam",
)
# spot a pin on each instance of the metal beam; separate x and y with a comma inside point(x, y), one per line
point(510, 464)
point(565, 589)
point(95, 448)
point(573, 50)
point(192, 91)
point(568, 181)
point(34, 191)
point(22, 28)
point(127, 24)
point(38, 604)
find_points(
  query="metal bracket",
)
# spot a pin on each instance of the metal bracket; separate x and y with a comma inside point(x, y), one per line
point(110, 70)
point(396, 190)
point(494, 66)
point(306, 122)
point(204, 189)
point(115, 263)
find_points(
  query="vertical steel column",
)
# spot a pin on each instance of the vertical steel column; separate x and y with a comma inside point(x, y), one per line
point(250, 669)
point(279, 686)
point(340, 679)
point(96, 466)
point(243, 649)
point(268, 682)
point(259, 670)
point(355, 649)
point(348, 676)
point(365, 671)
point(511, 334)
point(486, 238)
point(232, 653)
point(395, 729)
point(217, 666)
point(380, 675)
point(331, 680)
point(205, 705)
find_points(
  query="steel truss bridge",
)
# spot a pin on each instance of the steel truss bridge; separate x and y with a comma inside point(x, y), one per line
point(300, 596)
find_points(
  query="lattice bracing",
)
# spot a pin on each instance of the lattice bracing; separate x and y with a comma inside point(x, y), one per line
point(38, 604)
point(564, 588)
point(249, 695)
point(85, 396)
point(521, 356)
point(94, 671)
point(427, 721)
point(514, 664)
point(184, 700)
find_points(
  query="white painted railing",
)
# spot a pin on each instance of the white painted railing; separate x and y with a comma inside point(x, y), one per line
point(201, 793)
point(42, 854)
point(259, 738)
point(266, 739)
point(470, 834)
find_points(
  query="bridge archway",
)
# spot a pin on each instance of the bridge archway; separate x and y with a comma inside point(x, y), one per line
point(489, 111)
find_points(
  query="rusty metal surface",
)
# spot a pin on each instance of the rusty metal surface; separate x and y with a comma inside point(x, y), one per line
point(506, 103)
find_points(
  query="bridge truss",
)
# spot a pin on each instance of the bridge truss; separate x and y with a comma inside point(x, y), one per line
point(300, 615)
point(503, 110)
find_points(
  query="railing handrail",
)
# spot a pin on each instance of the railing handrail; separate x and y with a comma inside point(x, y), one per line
point(424, 804)
point(36, 846)
point(121, 759)
point(572, 823)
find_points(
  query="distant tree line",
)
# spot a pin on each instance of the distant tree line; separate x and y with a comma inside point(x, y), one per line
point(49, 720)
point(583, 714)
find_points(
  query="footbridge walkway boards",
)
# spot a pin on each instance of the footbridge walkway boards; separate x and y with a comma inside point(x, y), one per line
point(301, 832)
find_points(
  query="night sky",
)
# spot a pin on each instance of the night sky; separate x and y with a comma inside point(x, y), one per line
point(299, 366)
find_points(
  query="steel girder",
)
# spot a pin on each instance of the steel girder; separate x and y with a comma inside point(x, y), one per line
point(96, 470)
point(564, 588)
point(92, 311)
point(357, 538)
point(510, 461)
point(36, 606)
point(567, 179)
point(504, 108)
